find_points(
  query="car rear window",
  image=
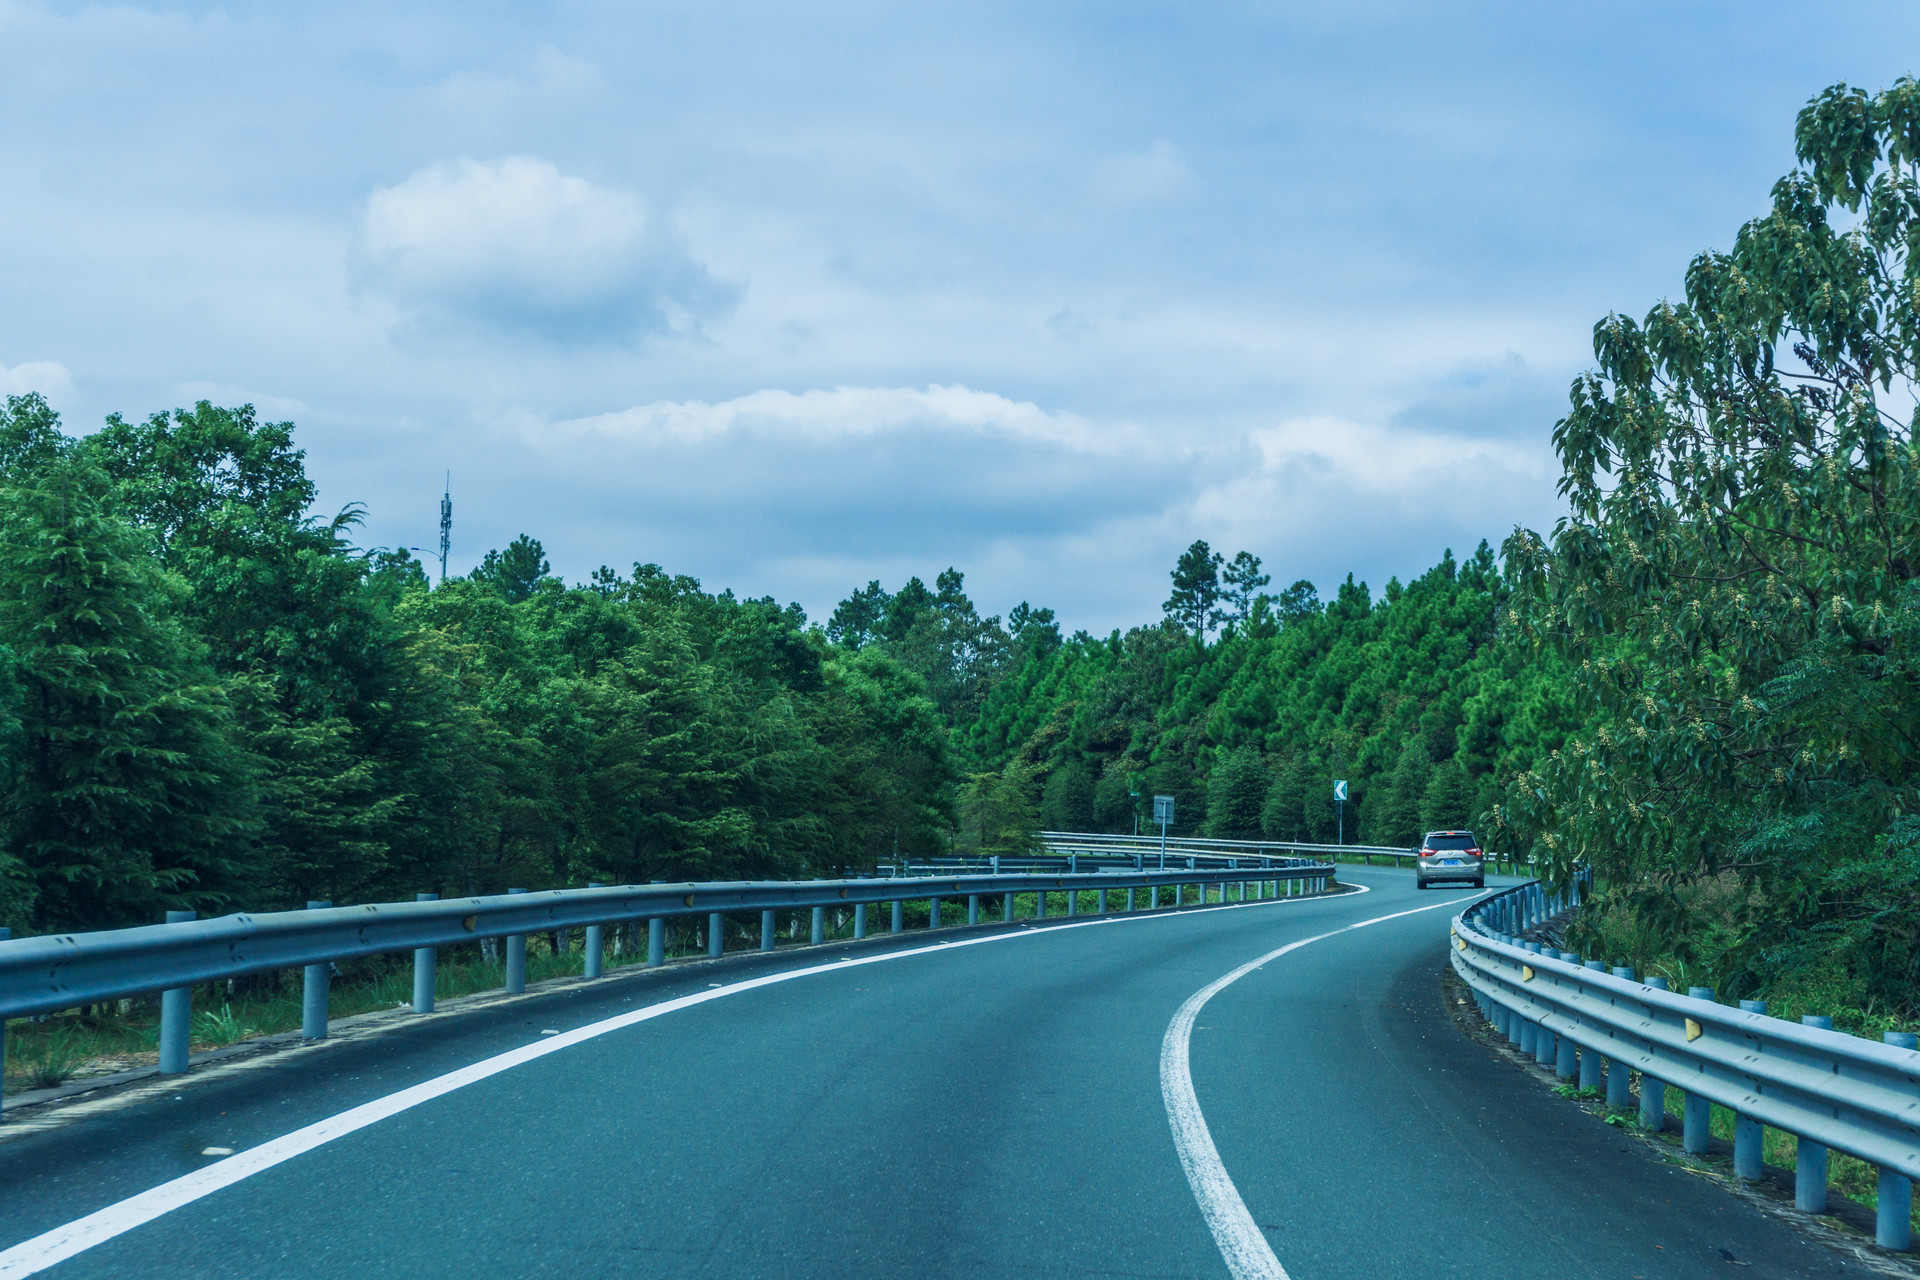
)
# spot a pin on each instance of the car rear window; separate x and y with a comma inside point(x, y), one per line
point(1454, 840)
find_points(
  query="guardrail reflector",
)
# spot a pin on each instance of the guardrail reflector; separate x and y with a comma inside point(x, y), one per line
point(1460, 943)
point(1694, 1030)
point(1526, 973)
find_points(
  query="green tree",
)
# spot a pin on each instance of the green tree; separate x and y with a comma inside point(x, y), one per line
point(1195, 602)
point(1237, 789)
point(126, 797)
point(1297, 604)
point(1447, 802)
point(860, 619)
point(1066, 801)
point(996, 814)
point(516, 571)
point(1240, 589)
point(1734, 589)
point(1395, 818)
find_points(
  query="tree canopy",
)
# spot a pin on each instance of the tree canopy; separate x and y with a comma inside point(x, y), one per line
point(1733, 591)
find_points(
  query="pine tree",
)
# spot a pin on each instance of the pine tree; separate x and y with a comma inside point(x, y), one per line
point(1447, 802)
point(1284, 815)
point(126, 797)
point(1195, 601)
point(1066, 802)
point(1396, 821)
point(1236, 790)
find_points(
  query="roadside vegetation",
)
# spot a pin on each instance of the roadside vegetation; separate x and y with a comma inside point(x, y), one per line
point(1734, 600)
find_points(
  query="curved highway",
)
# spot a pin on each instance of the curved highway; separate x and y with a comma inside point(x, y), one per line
point(1055, 1100)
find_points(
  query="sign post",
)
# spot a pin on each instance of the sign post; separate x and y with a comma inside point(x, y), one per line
point(1163, 814)
point(1340, 811)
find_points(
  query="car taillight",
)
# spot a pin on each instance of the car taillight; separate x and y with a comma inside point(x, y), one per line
point(1474, 853)
point(1426, 853)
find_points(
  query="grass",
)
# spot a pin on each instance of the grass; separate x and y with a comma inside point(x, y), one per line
point(101, 1039)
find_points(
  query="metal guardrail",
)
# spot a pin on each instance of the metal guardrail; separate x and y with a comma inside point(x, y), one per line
point(1073, 861)
point(1097, 840)
point(1829, 1089)
point(59, 971)
point(1067, 842)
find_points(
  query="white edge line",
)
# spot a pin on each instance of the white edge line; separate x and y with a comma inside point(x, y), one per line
point(32, 1256)
point(1242, 1243)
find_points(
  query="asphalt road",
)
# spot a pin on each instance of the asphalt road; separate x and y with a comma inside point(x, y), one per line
point(989, 1110)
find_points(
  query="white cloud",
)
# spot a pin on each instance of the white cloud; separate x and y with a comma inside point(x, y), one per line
point(49, 377)
point(806, 494)
point(1142, 177)
point(517, 244)
point(823, 416)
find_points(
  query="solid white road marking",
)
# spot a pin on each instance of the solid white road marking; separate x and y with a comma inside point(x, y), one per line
point(1242, 1244)
point(30, 1257)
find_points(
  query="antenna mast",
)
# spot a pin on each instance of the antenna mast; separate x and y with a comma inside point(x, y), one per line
point(446, 525)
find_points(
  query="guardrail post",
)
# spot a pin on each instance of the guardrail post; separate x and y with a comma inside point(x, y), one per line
point(1153, 897)
point(819, 925)
point(1695, 1110)
point(1073, 901)
point(1653, 1093)
point(516, 959)
point(973, 908)
point(1893, 1223)
point(423, 967)
point(933, 913)
point(1810, 1159)
point(1566, 1065)
point(176, 1017)
point(860, 921)
point(1006, 908)
point(1129, 900)
point(1529, 1030)
point(1040, 903)
point(656, 942)
point(316, 979)
point(594, 944)
point(1590, 1073)
point(899, 923)
point(1748, 1134)
point(716, 935)
point(1619, 1078)
point(769, 931)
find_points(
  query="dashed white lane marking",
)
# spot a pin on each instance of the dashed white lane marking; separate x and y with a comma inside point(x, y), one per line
point(1242, 1243)
point(30, 1257)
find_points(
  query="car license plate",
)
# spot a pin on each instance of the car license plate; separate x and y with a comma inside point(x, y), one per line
point(1449, 862)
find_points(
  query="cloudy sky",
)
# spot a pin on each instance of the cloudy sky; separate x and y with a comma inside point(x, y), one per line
point(793, 296)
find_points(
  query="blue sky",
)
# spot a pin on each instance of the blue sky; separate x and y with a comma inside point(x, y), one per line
point(789, 297)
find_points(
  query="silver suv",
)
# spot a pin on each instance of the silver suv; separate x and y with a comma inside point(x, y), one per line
point(1450, 855)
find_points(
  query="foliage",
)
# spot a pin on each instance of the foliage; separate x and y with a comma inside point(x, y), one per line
point(1194, 604)
point(1734, 590)
point(210, 699)
point(125, 795)
point(1249, 733)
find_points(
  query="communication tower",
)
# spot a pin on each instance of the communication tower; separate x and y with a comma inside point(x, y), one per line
point(446, 525)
